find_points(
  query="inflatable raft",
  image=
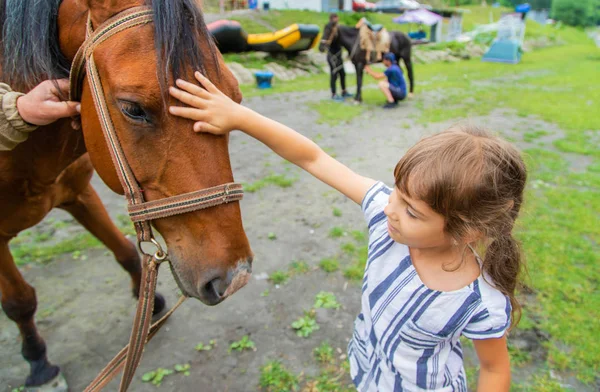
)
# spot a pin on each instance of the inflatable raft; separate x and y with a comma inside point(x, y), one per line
point(231, 37)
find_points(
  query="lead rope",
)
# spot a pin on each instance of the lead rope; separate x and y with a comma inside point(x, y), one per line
point(141, 212)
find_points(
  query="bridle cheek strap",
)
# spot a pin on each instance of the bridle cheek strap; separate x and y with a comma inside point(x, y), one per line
point(140, 211)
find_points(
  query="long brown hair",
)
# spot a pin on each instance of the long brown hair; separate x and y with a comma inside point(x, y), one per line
point(476, 182)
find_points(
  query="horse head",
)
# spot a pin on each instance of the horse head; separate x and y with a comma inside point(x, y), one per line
point(209, 252)
point(330, 35)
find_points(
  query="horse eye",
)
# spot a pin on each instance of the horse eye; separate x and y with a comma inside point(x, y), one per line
point(134, 111)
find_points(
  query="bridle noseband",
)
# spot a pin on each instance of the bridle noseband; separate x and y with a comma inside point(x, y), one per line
point(140, 211)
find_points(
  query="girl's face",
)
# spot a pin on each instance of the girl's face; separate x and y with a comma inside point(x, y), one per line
point(413, 223)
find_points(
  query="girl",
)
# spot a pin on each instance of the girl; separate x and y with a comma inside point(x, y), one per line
point(424, 284)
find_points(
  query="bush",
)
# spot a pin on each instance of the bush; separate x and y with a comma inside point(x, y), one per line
point(574, 12)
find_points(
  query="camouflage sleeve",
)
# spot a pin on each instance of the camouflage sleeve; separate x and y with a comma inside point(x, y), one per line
point(13, 130)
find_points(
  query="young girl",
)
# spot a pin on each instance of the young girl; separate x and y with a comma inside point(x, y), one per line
point(424, 284)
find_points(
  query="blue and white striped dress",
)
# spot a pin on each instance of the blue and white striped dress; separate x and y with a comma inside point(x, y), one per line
point(407, 336)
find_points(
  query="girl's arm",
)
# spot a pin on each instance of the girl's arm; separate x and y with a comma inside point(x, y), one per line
point(494, 373)
point(215, 113)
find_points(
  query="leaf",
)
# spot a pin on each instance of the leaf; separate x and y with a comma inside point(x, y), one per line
point(182, 368)
point(148, 376)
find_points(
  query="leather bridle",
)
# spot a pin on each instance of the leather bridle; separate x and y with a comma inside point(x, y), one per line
point(141, 212)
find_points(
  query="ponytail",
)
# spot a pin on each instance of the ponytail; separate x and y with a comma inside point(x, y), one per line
point(503, 264)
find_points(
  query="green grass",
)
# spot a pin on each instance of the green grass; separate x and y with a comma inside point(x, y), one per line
point(250, 26)
point(299, 267)
point(324, 354)
point(36, 245)
point(329, 265)
point(252, 60)
point(337, 232)
point(28, 251)
point(157, 376)
point(245, 343)
point(275, 377)
point(306, 325)
point(337, 212)
point(332, 372)
point(334, 113)
point(534, 135)
point(279, 277)
point(561, 236)
point(303, 83)
point(279, 19)
point(326, 300)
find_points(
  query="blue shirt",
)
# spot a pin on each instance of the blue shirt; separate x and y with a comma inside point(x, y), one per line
point(395, 77)
point(406, 338)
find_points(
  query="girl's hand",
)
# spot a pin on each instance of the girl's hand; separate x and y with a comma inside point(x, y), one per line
point(213, 111)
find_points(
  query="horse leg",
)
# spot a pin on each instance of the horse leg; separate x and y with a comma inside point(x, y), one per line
point(409, 69)
point(359, 81)
point(19, 303)
point(88, 210)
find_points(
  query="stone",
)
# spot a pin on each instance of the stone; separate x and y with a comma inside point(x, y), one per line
point(243, 75)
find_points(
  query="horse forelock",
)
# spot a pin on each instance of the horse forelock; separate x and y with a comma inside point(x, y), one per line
point(179, 29)
point(30, 48)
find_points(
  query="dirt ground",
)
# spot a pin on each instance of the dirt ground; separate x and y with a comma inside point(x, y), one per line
point(85, 308)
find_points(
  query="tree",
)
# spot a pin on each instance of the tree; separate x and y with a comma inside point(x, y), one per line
point(575, 12)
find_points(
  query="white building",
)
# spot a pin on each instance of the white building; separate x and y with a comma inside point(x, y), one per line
point(313, 5)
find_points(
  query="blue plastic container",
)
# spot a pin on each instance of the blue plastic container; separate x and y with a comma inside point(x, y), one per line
point(523, 8)
point(264, 79)
point(253, 4)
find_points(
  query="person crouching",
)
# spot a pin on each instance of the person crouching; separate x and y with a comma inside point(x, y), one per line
point(395, 86)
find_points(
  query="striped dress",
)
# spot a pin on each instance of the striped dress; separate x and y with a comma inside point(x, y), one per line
point(406, 337)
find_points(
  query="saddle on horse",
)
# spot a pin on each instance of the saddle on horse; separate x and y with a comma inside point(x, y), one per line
point(374, 39)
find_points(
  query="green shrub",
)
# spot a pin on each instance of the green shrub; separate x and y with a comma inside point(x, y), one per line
point(574, 12)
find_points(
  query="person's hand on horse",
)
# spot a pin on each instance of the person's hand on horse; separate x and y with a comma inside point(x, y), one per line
point(43, 104)
point(213, 111)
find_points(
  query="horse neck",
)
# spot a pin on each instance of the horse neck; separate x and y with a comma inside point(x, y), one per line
point(347, 36)
point(44, 156)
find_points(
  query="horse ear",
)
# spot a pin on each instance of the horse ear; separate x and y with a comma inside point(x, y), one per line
point(102, 10)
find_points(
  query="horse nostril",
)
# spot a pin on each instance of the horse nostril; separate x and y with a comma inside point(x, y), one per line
point(216, 287)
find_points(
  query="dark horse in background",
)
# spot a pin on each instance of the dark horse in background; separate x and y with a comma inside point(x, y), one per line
point(348, 37)
point(54, 167)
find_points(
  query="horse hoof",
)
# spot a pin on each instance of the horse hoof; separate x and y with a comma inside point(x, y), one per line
point(159, 304)
point(57, 384)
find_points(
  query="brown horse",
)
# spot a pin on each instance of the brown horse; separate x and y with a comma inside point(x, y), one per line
point(54, 167)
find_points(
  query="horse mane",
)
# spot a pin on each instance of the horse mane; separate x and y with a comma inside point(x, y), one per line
point(29, 42)
point(31, 52)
